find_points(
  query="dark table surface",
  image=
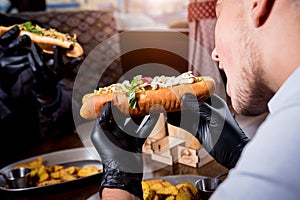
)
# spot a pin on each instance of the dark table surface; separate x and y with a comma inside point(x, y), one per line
point(87, 188)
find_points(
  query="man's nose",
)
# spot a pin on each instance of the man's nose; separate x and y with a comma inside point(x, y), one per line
point(215, 55)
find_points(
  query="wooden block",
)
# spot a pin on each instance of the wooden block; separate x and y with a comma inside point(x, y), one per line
point(204, 157)
point(188, 156)
point(166, 144)
point(168, 157)
point(190, 141)
point(192, 157)
point(158, 132)
point(165, 157)
point(147, 147)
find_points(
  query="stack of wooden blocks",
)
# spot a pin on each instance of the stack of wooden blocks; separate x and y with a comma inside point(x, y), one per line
point(169, 145)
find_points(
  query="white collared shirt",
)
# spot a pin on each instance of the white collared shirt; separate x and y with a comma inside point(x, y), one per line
point(269, 165)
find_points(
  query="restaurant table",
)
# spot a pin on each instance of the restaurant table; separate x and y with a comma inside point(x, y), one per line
point(86, 189)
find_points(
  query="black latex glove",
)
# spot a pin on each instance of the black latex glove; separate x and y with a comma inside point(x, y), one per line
point(13, 57)
point(213, 125)
point(10, 43)
point(120, 149)
point(48, 70)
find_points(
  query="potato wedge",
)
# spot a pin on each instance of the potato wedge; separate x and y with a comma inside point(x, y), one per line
point(65, 176)
point(150, 182)
point(182, 195)
point(158, 189)
point(49, 182)
point(156, 186)
point(148, 194)
point(71, 170)
point(172, 197)
point(170, 190)
point(42, 175)
point(190, 186)
point(87, 171)
point(55, 175)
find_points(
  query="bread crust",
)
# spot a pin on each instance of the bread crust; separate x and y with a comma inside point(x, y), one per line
point(167, 99)
point(72, 49)
point(93, 103)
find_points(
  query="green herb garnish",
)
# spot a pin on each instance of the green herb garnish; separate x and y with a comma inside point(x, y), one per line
point(136, 81)
point(30, 28)
point(131, 99)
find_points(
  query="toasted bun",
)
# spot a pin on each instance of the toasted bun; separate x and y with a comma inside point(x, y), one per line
point(93, 104)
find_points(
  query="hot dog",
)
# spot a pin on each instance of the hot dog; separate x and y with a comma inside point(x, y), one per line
point(47, 38)
point(137, 97)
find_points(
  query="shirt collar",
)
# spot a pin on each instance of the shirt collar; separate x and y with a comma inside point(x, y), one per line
point(288, 92)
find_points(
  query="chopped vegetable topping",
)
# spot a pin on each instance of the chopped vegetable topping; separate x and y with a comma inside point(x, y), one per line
point(139, 83)
point(135, 83)
point(36, 29)
point(28, 27)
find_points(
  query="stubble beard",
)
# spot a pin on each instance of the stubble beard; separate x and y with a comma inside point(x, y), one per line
point(252, 91)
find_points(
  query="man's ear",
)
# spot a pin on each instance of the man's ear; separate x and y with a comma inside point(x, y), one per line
point(261, 10)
